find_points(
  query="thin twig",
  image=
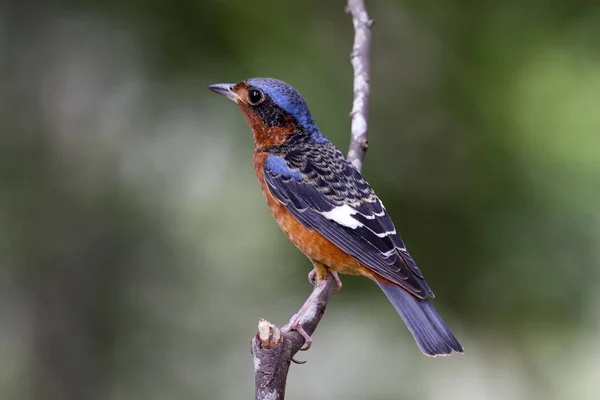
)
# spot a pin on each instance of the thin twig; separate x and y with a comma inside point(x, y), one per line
point(273, 351)
point(362, 69)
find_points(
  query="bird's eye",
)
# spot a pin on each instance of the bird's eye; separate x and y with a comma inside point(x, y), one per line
point(255, 97)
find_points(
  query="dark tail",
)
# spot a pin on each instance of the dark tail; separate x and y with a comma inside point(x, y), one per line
point(429, 330)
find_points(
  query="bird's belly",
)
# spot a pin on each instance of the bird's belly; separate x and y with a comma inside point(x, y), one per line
point(314, 245)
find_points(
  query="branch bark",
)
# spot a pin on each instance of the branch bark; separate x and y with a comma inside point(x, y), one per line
point(362, 69)
point(272, 349)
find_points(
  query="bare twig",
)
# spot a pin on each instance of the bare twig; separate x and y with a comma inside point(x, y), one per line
point(273, 350)
point(361, 65)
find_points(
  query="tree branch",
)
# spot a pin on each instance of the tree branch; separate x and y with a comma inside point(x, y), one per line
point(362, 70)
point(272, 350)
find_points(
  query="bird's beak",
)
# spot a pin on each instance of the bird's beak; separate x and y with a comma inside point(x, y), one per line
point(225, 89)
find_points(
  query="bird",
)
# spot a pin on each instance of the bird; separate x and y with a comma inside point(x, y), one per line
point(329, 211)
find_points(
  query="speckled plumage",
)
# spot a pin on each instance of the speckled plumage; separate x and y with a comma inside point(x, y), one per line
point(328, 210)
point(329, 181)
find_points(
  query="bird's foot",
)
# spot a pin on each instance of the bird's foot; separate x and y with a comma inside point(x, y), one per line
point(307, 311)
point(312, 275)
point(294, 325)
point(338, 281)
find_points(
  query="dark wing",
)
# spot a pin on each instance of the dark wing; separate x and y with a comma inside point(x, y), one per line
point(326, 193)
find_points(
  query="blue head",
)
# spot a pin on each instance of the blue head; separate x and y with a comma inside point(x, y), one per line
point(272, 103)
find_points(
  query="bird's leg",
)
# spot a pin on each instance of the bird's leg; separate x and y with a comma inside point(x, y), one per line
point(295, 323)
point(312, 275)
point(321, 274)
point(338, 283)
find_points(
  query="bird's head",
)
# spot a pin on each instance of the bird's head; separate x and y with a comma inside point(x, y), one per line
point(273, 109)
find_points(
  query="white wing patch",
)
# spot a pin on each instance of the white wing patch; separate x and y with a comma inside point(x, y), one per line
point(343, 216)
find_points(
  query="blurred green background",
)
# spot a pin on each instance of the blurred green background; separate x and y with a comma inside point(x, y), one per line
point(137, 254)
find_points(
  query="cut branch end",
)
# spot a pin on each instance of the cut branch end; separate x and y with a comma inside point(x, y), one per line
point(268, 335)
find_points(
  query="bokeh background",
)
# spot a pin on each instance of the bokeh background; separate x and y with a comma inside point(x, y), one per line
point(136, 252)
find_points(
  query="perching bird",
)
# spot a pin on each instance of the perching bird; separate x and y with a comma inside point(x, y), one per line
point(327, 209)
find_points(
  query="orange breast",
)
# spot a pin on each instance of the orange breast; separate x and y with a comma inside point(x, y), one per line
point(314, 245)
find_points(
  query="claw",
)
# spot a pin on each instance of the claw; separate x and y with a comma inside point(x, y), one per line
point(305, 347)
point(295, 326)
point(298, 362)
point(312, 276)
point(307, 338)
